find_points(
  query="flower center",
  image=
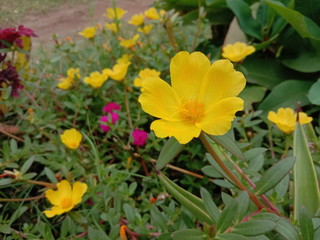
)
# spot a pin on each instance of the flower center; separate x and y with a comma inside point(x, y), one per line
point(66, 203)
point(191, 110)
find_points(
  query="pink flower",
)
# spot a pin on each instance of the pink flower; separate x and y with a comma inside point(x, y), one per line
point(139, 137)
point(104, 120)
point(110, 107)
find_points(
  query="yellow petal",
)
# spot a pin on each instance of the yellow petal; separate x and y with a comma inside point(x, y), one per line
point(304, 119)
point(159, 99)
point(221, 81)
point(272, 117)
point(183, 131)
point(217, 120)
point(53, 196)
point(187, 72)
point(64, 189)
point(56, 210)
point(77, 192)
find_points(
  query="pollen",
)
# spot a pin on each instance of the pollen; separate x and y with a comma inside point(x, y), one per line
point(192, 111)
point(66, 203)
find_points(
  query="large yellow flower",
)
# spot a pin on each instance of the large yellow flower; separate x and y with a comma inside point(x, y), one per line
point(65, 198)
point(88, 32)
point(96, 79)
point(73, 73)
point(112, 27)
point(202, 97)
point(137, 19)
point(286, 119)
point(145, 29)
point(65, 83)
point(125, 58)
point(115, 14)
point(71, 138)
point(118, 72)
point(237, 51)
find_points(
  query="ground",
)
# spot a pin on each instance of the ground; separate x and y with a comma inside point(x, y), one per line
point(68, 20)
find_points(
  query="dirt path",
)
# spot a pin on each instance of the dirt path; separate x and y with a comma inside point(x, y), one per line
point(69, 20)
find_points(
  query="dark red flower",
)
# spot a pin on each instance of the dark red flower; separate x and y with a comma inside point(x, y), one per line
point(26, 31)
point(10, 77)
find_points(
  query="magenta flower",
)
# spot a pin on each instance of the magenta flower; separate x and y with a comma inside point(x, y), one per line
point(110, 107)
point(139, 137)
point(10, 77)
point(105, 120)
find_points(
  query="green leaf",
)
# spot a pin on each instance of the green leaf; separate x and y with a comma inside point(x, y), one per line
point(306, 188)
point(27, 164)
point(266, 73)
point(52, 177)
point(243, 201)
point(306, 224)
point(227, 216)
point(17, 214)
point(189, 234)
point(302, 24)
point(247, 23)
point(306, 63)
point(252, 94)
point(231, 236)
point(229, 144)
point(253, 153)
point(194, 204)
point(287, 230)
point(274, 175)
point(313, 93)
point(129, 212)
point(6, 181)
point(169, 151)
point(158, 218)
point(6, 229)
point(254, 227)
point(209, 204)
point(211, 172)
point(309, 8)
point(277, 98)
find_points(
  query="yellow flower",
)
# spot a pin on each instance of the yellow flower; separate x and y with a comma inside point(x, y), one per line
point(202, 97)
point(65, 198)
point(152, 13)
point(144, 74)
point(237, 51)
point(286, 119)
point(128, 43)
point(65, 83)
point(112, 14)
point(71, 138)
point(112, 27)
point(118, 72)
point(137, 19)
point(96, 79)
point(146, 29)
point(73, 73)
point(125, 58)
point(88, 32)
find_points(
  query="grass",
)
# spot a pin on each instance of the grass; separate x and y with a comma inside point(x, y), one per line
point(12, 12)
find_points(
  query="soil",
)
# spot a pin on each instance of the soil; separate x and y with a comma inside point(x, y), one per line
point(69, 20)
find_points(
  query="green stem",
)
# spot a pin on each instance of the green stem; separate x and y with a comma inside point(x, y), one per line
point(227, 171)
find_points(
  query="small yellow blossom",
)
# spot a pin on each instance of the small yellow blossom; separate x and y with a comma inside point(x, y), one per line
point(73, 73)
point(65, 198)
point(65, 83)
point(112, 27)
point(112, 14)
point(125, 58)
point(129, 43)
point(202, 97)
point(71, 138)
point(146, 29)
point(137, 19)
point(286, 119)
point(88, 32)
point(237, 51)
point(118, 72)
point(152, 13)
point(96, 79)
point(144, 74)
